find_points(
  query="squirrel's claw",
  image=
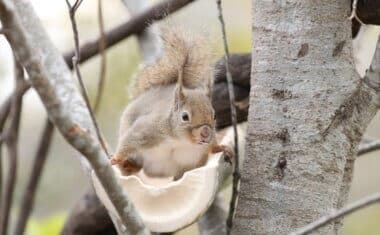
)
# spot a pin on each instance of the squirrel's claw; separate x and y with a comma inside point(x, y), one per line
point(126, 166)
point(228, 154)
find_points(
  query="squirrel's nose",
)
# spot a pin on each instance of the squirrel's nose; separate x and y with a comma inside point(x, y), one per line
point(205, 132)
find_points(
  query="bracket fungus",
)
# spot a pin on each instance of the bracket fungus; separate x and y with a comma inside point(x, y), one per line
point(166, 205)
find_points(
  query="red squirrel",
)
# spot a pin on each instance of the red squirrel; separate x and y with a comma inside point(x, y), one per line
point(169, 126)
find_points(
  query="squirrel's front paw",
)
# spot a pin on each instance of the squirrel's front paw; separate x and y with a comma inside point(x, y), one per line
point(228, 154)
point(126, 166)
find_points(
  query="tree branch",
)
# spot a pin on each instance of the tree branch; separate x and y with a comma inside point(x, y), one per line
point(375, 198)
point(4, 113)
point(134, 26)
point(372, 79)
point(75, 59)
point(7, 194)
point(52, 81)
point(368, 147)
point(354, 12)
point(103, 58)
point(11, 141)
point(281, 100)
point(6, 107)
point(27, 201)
point(240, 67)
point(139, 23)
point(232, 100)
point(369, 11)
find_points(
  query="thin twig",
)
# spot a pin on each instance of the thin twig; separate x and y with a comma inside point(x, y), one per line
point(231, 93)
point(4, 113)
point(75, 60)
point(76, 5)
point(354, 14)
point(103, 59)
point(375, 198)
point(9, 185)
point(134, 26)
point(24, 86)
point(11, 141)
point(1, 164)
point(368, 147)
point(27, 201)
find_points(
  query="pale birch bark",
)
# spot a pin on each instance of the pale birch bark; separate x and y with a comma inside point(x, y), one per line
point(53, 82)
point(308, 110)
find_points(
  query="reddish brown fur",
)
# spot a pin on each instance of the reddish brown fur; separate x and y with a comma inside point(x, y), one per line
point(182, 80)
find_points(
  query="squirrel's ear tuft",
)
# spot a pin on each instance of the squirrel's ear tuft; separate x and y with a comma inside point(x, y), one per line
point(179, 94)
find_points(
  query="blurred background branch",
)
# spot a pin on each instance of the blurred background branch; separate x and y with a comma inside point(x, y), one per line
point(75, 59)
point(103, 58)
point(135, 25)
point(11, 138)
point(27, 201)
point(351, 208)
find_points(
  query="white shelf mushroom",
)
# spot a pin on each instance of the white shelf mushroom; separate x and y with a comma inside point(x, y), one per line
point(166, 205)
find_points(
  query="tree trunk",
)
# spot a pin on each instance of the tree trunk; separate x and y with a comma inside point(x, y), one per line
point(308, 110)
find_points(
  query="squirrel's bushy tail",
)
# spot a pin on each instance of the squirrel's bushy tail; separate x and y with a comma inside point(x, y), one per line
point(181, 51)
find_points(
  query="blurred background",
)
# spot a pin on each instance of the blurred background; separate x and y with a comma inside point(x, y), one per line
point(63, 181)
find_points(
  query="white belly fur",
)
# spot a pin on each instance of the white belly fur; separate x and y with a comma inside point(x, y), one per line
point(170, 156)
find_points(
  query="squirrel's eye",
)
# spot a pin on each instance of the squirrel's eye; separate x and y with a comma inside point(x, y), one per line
point(185, 117)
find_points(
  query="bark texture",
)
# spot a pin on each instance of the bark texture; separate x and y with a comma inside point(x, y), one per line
point(52, 80)
point(308, 110)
